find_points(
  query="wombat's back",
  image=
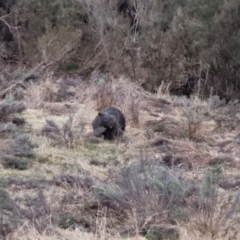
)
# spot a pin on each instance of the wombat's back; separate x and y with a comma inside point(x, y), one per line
point(118, 115)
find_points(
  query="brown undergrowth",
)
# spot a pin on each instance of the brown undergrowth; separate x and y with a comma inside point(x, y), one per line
point(151, 183)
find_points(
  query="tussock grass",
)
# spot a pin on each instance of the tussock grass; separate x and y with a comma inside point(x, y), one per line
point(67, 68)
point(31, 233)
point(138, 192)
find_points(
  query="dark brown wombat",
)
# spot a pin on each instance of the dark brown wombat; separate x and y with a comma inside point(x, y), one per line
point(110, 123)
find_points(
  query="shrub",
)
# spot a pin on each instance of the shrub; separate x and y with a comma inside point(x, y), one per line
point(215, 214)
point(146, 195)
point(34, 96)
point(176, 39)
point(8, 107)
point(196, 112)
point(151, 199)
point(19, 153)
point(69, 133)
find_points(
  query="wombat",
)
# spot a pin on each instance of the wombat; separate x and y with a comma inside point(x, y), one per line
point(110, 123)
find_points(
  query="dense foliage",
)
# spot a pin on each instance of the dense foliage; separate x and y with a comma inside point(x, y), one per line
point(176, 39)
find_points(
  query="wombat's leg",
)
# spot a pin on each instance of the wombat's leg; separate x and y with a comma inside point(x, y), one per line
point(109, 135)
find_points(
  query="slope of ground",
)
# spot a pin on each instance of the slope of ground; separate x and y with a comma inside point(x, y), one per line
point(53, 198)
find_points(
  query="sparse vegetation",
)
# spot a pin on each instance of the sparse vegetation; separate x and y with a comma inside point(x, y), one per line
point(8, 107)
point(171, 67)
point(19, 153)
point(70, 133)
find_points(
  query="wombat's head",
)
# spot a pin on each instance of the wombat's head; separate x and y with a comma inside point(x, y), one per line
point(108, 119)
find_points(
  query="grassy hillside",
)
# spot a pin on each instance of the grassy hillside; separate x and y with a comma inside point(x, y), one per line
point(171, 68)
point(173, 175)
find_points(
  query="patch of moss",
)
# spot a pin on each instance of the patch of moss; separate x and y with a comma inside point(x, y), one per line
point(68, 67)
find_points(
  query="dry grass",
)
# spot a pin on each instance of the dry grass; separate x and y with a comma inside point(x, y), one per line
point(31, 234)
point(53, 193)
point(202, 228)
point(120, 93)
point(34, 96)
point(54, 158)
